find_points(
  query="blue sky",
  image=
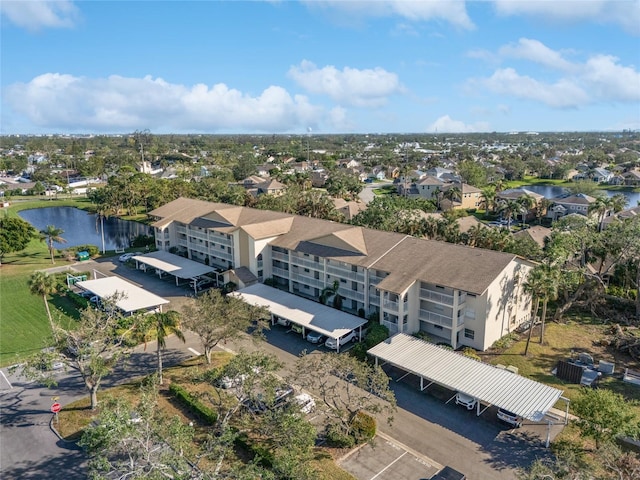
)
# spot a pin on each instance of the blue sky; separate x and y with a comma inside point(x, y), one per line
point(330, 66)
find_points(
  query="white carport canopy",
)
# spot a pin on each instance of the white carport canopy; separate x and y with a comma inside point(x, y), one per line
point(175, 265)
point(486, 383)
point(307, 313)
point(133, 298)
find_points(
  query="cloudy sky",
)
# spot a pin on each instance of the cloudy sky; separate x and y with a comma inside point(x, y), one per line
point(348, 66)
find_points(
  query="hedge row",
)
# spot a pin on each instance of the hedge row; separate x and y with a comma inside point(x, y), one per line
point(193, 404)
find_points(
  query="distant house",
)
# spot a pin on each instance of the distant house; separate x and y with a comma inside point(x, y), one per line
point(536, 233)
point(562, 206)
point(516, 193)
point(319, 178)
point(601, 175)
point(429, 187)
point(632, 178)
point(471, 197)
point(349, 209)
point(443, 174)
point(271, 187)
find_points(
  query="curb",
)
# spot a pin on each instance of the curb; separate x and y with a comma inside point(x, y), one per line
point(60, 437)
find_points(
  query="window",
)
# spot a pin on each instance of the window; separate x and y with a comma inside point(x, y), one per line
point(468, 333)
point(354, 268)
point(354, 286)
point(438, 327)
point(316, 259)
point(259, 258)
point(405, 319)
point(259, 273)
point(307, 270)
point(305, 254)
point(342, 280)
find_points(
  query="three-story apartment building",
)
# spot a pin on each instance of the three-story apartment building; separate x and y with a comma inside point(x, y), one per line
point(456, 294)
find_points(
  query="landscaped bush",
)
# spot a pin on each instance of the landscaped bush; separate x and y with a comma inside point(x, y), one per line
point(337, 438)
point(77, 300)
point(363, 427)
point(92, 249)
point(193, 404)
point(376, 333)
point(505, 342)
point(143, 241)
point(263, 456)
point(470, 353)
point(422, 336)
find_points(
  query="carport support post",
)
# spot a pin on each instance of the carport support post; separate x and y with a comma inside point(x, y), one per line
point(548, 434)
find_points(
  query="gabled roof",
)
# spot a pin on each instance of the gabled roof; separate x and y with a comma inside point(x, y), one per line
point(537, 233)
point(577, 199)
point(515, 193)
point(351, 240)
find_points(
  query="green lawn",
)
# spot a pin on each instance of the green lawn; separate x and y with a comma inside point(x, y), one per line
point(561, 339)
point(24, 326)
point(528, 180)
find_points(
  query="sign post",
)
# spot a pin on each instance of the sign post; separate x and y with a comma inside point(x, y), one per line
point(55, 408)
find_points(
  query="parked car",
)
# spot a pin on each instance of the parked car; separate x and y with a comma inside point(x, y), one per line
point(448, 473)
point(297, 328)
point(466, 401)
point(125, 256)
point(258, 405)
point(282, 321)
point(332, 343)
point(315, 337)
point(509, 417)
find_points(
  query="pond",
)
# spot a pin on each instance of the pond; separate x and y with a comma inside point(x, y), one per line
point(82, 228)
point(551, 191)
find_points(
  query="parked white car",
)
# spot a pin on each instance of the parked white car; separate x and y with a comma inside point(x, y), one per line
point(466, 401)
point(509, 417)
point(332, 343)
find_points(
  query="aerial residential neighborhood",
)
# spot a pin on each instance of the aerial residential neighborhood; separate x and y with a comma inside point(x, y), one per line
point(390, 240)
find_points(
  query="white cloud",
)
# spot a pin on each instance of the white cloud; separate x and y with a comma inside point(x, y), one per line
point(35, 14)
point(610, 80)
point(117, 104)
point(452, 11)
point(536, 51)
point(563, 93)
point(446, 124)
point(601, 78)
point(625, 13)
point(349, 86)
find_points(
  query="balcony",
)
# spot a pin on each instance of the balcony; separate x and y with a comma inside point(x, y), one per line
point(279, 256)
point(352, 295)
point(312, 282)
point(436, 297)
point(436, 318)
point(393, 327)
point(182, 230)
point(280, 272)
point(390, 305)
point(303, 262)
point(347, 274)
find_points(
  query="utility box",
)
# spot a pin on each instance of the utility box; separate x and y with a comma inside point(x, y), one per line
point(84, 255)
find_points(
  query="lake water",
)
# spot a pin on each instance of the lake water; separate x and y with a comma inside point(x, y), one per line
point(81, 228)
point(550, 191)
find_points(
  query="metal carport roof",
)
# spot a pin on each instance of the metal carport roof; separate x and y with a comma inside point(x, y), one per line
point(174, 264)
point(490, 385)
point(134, 298)
point(312, 315)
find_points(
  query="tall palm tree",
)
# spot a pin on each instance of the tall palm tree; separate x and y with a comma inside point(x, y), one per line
point(509, 208)
point(489, 198)
point(533, 286)
point(549, 290)
point(52, 234)
point(601, 206)
point(527, 202)
point(42, 284)
point(158, 327)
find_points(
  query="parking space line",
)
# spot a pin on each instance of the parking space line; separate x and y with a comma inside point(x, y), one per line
point(424, 458)
point(195, 352)
point(381, 471)
point(6, 380)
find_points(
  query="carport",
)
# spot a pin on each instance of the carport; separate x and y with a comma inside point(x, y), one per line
point(179, 267)
point(134, 299)
point(308, 314)
point(486, 383)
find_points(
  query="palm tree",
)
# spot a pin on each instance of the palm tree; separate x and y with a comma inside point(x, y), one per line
point(619, 202)
point(42, 284)
point(332, 292)
point(158, 327)
point(601, 206)
point(489, 198)
point(533, 286)
point(527, 202)
point(549, 291)
point(52, 234)
point(509, 208)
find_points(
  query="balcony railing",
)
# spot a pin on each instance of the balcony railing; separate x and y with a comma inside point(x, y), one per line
point(303, 279)
point(393, 327)
point(352, 295)
point(436, 318)
point(281, 272)
point(279, 256)
point(303, 262)
point(436, 297)
point(390, 305)
point(344, 273)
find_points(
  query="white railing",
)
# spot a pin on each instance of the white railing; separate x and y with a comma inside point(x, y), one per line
point(281, 272)
point(435, 318)
point(312, 282)
point(344, 273)
point(390, 305)
point(303, 262)
point(437, 297)
point(279, 256)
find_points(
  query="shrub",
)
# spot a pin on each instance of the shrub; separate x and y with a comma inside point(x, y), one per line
point(376, 333)
point(422, 336)
point(506, 341)
point(193, 404)
point(337, 438)
point(262, 455)
point(143, 241)
point(77, 300)
point(470, 353)
point(92, 249)
point(363, 427)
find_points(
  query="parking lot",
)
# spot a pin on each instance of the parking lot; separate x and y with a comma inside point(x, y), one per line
point(387, 459)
